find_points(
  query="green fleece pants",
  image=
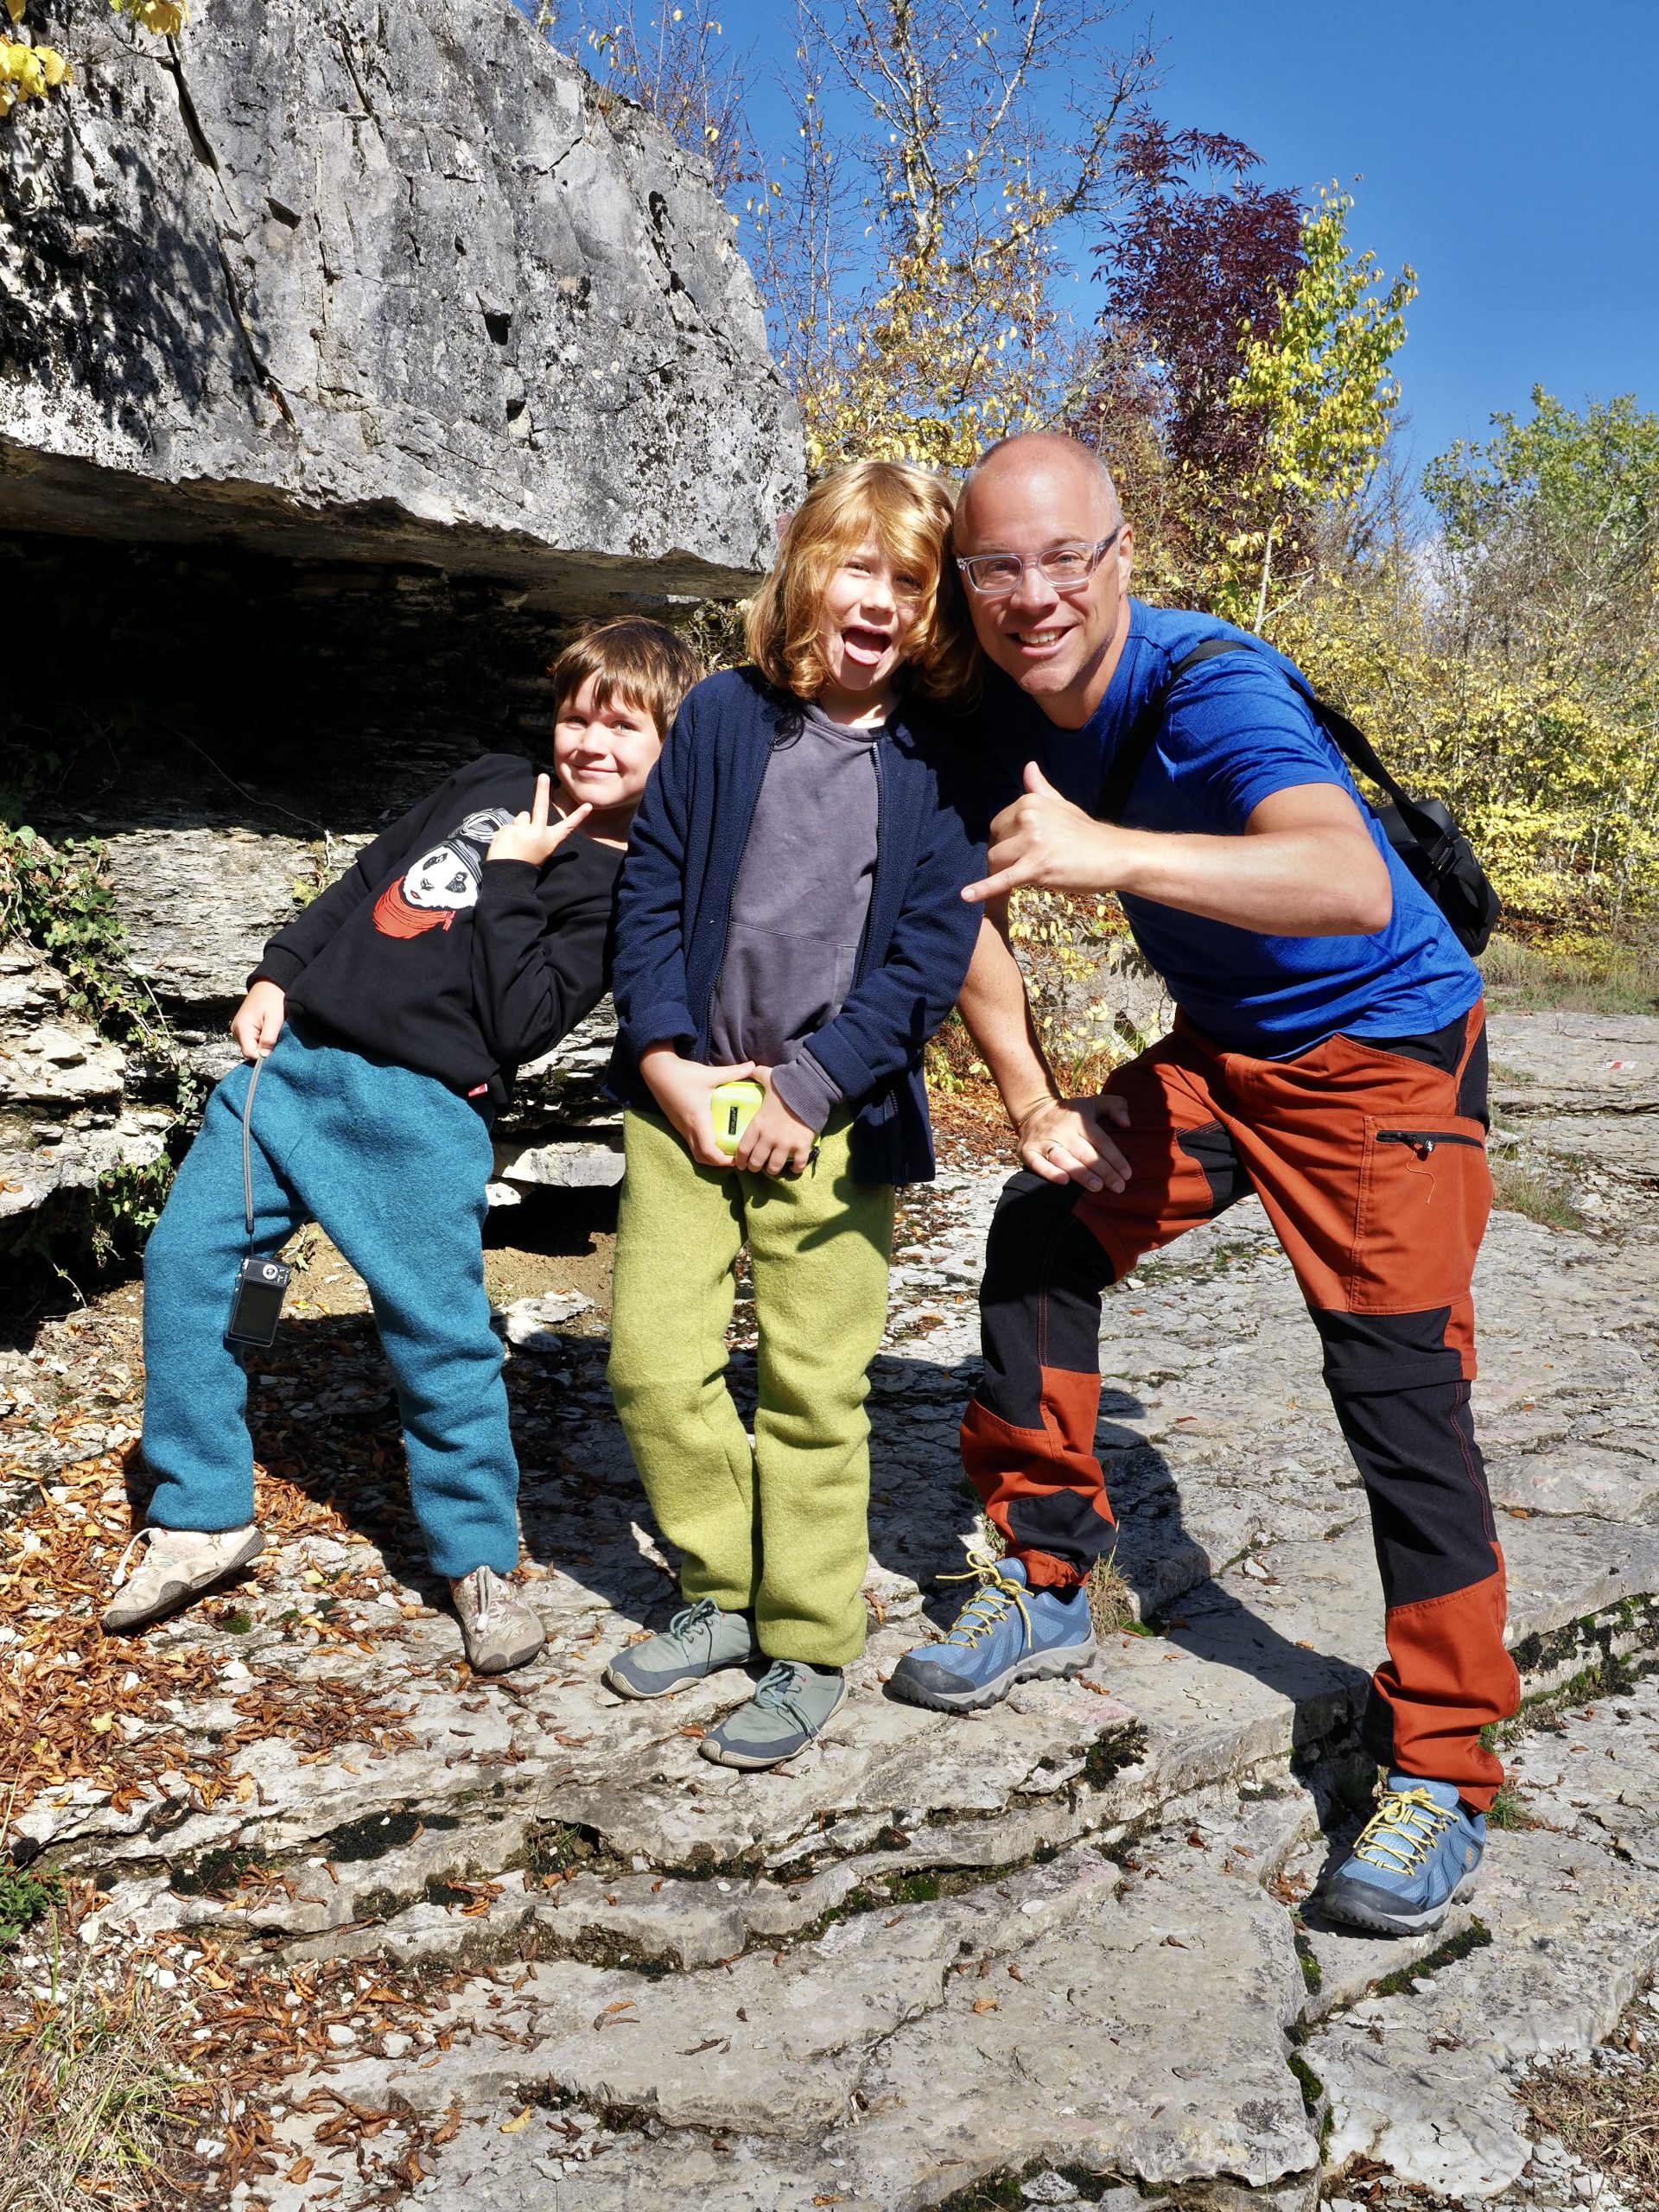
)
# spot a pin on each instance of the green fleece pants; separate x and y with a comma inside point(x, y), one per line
point(781, 1529)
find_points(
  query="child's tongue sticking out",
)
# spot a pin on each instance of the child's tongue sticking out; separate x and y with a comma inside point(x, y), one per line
point(870, 608)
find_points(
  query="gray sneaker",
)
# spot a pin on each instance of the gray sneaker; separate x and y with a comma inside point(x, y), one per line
point(791, 1706)
point(496, 1626)
point(698, 1641)
point(177, 1565)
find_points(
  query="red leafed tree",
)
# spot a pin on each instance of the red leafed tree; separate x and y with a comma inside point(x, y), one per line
point(1197, 260)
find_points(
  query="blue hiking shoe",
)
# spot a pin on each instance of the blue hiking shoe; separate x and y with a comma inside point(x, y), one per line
point(1006, 1633)
point(1419, 1853)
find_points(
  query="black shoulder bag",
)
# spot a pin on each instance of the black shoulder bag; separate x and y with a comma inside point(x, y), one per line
point(1421, 830)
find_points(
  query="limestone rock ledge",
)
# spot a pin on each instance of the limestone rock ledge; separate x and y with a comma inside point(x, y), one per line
point(334, 279)
point(64, 1117)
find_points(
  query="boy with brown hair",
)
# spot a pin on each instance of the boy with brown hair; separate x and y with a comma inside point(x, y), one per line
point(383, 1030)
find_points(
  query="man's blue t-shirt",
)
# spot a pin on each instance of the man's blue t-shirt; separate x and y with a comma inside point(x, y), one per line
point(1235, 731)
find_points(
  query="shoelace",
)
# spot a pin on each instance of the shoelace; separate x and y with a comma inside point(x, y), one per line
point(1399, 1835)
point(133, 1542)
point(778, 1691)
point(702, 1615)
point(990, 1604)
point(484, 1587)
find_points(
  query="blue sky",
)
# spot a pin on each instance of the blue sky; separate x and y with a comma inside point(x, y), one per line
point(1507, 151)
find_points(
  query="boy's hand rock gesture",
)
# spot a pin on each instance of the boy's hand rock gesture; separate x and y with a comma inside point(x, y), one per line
point(532, 837)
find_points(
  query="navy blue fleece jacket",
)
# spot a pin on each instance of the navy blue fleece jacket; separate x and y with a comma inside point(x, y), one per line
point(675, 906)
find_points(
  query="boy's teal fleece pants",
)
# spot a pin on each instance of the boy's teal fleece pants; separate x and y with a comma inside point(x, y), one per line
point(393, 1167)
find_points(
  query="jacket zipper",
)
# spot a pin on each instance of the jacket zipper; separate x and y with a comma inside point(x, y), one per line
point(1423, 1142)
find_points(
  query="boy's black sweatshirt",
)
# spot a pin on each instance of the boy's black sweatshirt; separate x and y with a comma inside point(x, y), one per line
point(427, 954)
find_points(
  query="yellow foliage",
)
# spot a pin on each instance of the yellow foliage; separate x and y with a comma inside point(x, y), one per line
point(1321, 382)
point(1556, 784)
point(29, 72)
point(164, 17)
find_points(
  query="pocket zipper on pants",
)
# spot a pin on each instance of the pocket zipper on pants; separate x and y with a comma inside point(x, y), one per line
point(1423, 1142)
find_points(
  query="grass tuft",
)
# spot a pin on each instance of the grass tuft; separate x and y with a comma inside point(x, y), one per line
point(88, 2105)
point(1509, 1809)
point(1536, 1187)
point(1609, 2119)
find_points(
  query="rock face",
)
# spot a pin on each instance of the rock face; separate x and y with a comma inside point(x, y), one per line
point(337, 280)
point(350, 356)
point(64, 1119)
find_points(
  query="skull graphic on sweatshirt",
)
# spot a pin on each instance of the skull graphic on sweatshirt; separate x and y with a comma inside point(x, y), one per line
point(442, 883)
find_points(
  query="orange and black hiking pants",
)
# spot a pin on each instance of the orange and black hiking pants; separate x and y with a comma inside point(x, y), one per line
point(1371, 1159)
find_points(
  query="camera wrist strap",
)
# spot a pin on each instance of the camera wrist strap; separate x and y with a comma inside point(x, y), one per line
point(247, 1156)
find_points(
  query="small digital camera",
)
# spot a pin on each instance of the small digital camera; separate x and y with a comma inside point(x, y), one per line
point(733, 1106)
point(261, 1286)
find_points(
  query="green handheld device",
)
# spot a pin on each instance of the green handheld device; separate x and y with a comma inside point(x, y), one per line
point(733, 1106)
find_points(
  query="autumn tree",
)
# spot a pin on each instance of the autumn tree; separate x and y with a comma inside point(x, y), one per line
point(912, 246)
point(1550, 533)
point(1320, 384)
point(674, 63)
point(1197, 260)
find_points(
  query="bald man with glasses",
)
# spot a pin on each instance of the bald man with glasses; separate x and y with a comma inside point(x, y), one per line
point(1328, 1054)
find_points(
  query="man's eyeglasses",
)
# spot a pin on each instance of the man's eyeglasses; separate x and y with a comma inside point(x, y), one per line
point(997, 576)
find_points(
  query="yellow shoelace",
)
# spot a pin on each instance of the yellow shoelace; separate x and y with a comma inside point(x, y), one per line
point(1398, 1835)
point(986, 1608)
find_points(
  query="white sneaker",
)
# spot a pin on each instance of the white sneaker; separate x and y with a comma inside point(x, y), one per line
point(177, 1564)
point(499, 1628)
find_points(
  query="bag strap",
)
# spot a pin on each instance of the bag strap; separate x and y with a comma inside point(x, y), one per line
point(1350, 741)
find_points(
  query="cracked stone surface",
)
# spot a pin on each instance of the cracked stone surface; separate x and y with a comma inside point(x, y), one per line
point(1425, 2081)
point(64, 1120)
point(1074, 1939)
point(338, 282)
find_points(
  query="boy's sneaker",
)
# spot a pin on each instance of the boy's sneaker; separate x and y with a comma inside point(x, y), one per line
point(177, 1565)
point(496, 1626)
point(1006, 1633)
point(791, 1706)
point(1419, 1853)
point(698, 1641)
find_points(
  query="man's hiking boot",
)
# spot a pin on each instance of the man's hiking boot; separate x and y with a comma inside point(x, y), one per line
point(177, 1565)
point(499, 1628)
point(698, 1641)
point(1006, 1633)
point(1418, 1853)
point(792, 1704)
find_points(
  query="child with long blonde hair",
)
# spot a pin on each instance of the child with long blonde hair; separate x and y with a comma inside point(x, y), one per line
point(790, 916)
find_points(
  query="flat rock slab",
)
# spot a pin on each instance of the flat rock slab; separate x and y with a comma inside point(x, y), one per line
point(1052, 2012)
point(1574, 1063)
point(1423, 2081)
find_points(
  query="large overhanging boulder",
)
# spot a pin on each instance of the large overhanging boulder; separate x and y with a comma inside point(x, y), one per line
point(339, 280)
